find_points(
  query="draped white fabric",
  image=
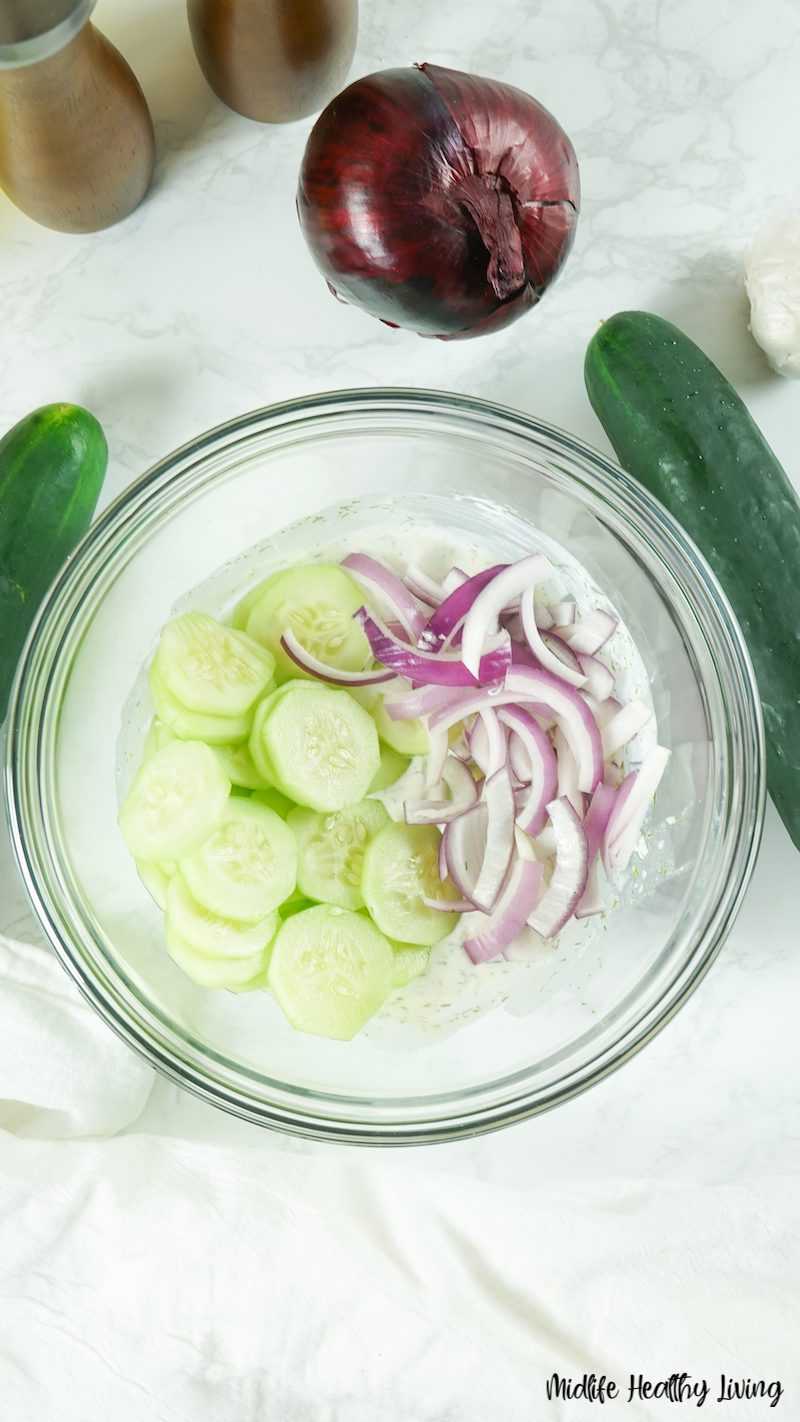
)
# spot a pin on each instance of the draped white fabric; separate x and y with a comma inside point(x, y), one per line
point(158, 1280)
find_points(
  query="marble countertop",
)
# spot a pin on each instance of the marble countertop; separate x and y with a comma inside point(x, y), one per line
point(205, 303)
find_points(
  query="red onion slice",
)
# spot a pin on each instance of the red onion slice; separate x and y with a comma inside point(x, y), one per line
point(567, 773)
point(545, 692)
point(591, 900)
point(544, 617)
point(563, 613)
point(553, 654)
point(448, 905)
point(437, 755)
point(333, 675)
point(625, 823)
point(570, 875)
point(592, 631)
point(482, 618)
point(498, 797)
point(457, 604)
point(398, 597)
point(464, 844)
point(453, 580)
point(600, 680)
point(487, 742)
point(532, 817)
point(496, 933)
point(461, 784)
point(423, 587)
point(624, 726)
point(595, 823)
point(422, 703)
point(430, 668)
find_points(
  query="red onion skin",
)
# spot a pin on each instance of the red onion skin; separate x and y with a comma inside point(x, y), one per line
point(438, 201)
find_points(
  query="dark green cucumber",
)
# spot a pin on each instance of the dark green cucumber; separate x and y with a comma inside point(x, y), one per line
point(52, 466)
point(679, 428)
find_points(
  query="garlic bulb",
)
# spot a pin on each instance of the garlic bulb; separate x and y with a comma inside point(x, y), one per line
point(772, 281)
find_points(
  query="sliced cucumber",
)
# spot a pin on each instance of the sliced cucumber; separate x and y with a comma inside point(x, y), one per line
point(239, 767)
point(263, 710)
point(248, 602)
point(236, 973)
point(196, 725)
point(176, 800)
point(409, 963)
point(317, 602)
point(157, 736)
point(212, 934)
point(320, 746)
point(401, 864)
point(406, 737)
point(296, 905)
point(247, 866)
point(156, 879)
point(274, 800)
point(330, 970)
point(331, 850)
point(212, 669)
point(392, 766)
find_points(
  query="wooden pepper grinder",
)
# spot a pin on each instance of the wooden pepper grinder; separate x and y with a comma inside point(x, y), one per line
point(274, 60)
point(76, 136)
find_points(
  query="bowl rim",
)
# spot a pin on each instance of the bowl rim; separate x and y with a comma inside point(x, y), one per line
point(125, 514)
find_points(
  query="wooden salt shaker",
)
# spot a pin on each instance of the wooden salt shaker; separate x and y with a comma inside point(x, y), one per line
point(274, 60)
point(76, 136)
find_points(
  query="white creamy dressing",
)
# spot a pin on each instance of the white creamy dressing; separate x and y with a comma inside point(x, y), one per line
point(453, 990)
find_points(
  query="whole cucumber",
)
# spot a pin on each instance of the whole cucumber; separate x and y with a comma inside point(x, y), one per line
point(678, 426)
point(52, 466)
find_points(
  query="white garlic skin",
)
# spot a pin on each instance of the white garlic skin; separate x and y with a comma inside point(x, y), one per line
point(772, 281)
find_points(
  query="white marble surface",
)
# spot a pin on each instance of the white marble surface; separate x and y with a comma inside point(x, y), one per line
point(204, 304)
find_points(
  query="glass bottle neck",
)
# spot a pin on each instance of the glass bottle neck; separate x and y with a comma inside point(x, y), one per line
point(31, 30)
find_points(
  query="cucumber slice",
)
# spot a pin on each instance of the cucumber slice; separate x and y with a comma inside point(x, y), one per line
point(236, 973)
point(157, 736)
point(330, 971)
point(211, 934)
point(176, 800)
point(248, 602)
point(212, 669)
point(392, 766)
point(317, 602)
point(274, 800)
point(401, 864)
point(239, 767)
point(156, 879)
point(295, 905)
point(263, 710)
point(331, 850)
point(406, 737)
point(320, 746)
point(409, 963)
point(196, 725)
point(247, 866)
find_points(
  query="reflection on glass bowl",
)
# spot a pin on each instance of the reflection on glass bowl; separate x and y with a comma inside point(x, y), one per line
point(433, 471)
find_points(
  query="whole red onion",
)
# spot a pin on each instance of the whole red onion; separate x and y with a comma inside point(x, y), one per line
point(437, 200)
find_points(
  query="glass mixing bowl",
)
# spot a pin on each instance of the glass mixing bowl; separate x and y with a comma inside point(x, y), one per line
point(341, 465)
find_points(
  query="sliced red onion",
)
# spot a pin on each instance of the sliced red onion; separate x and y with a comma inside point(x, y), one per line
point(457, 604)
point(454, 579)
point(430, 668)
point(398, 597)
point(624, 726)
point(591, 900)
point(592, 631)
point(333, 675)
point(544, 617)
point(488, 743)
point(437, 755)
point(600, 680)
point(552, 653)
point(442, 860)
point(528, 947)
point(464, 792)
point(470, 705)
point(482, 618)
point(518, 759)
point(546, 693)
point(422, 703)
point(563, 613)
point(448, 905)
point(423, 587)
point(532, 817)
point(544, 844)
point(498, 797)
point(613, 775)
point(625, 823)
point(495, 934)
point(464, 843)
point(567, 773)
point(604, 710)
point(570, 875)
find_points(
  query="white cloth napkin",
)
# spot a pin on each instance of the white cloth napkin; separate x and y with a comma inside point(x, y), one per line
point(158, 1280)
